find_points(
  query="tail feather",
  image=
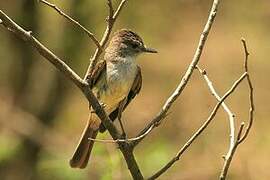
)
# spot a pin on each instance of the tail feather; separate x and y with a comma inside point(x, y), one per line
point(86, 159)
point(83, 150)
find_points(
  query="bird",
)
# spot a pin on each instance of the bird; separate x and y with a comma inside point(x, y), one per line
point(115, 81)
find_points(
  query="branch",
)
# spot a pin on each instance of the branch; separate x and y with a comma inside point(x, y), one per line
point(200, 130)
point(91, 35)
point(251, 94)
point(229, 156)
point(118, 10)
point(162, 114)
point(110, 22)
point(240, 137)
point(120, 140)
point(225, 107)
point(43, 51)
point(125, 147)
point(84, 87)
point(111, 10)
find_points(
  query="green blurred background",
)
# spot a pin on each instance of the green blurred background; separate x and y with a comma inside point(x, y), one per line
point(42, 114)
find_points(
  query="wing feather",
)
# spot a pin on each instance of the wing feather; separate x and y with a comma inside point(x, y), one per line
point(136, 87)
point(93, 78)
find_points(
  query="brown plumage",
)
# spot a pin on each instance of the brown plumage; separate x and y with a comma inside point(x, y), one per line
point(114, 81)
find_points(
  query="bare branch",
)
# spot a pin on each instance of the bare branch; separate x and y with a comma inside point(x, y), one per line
point(240, 137)
point(110, 22)
point(200, 130)
point(251, 94)
point(120, 140)
point(111, 10)
point(45, 52)
point(162, 114)
point(225, 107)
point(118, 10)
point(91, 35)
point(229, 156)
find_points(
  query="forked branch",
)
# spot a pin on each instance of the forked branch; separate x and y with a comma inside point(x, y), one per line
point(200, 130)
point(113, 15)
point(178, 91)
point(241, 137)
point(225, 107)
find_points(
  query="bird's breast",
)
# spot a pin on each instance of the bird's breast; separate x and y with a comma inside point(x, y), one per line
point(119, 80)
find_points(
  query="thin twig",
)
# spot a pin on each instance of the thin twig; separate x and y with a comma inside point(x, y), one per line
point(120, 140)
point(251, 94)
point(162, 114)
point(111, 10)
point(118, 10)
point(200, 130)
point(225, 107)
point(84, 29)
point(240, 137)
point(110, 22)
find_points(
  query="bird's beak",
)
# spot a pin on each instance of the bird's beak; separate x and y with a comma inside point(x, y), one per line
point(148, 50)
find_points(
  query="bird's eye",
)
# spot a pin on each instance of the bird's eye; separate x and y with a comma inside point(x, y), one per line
point(135, 46)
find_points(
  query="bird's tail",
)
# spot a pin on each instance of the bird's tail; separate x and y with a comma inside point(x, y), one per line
point(83, 150)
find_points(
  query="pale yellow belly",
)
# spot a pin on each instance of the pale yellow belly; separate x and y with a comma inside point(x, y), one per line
point(112, 95)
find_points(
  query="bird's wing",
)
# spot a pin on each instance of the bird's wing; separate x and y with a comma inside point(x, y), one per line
point(99, 69)
point(135, 89)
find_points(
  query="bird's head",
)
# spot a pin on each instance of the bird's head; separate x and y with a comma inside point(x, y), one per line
point(127, 43)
